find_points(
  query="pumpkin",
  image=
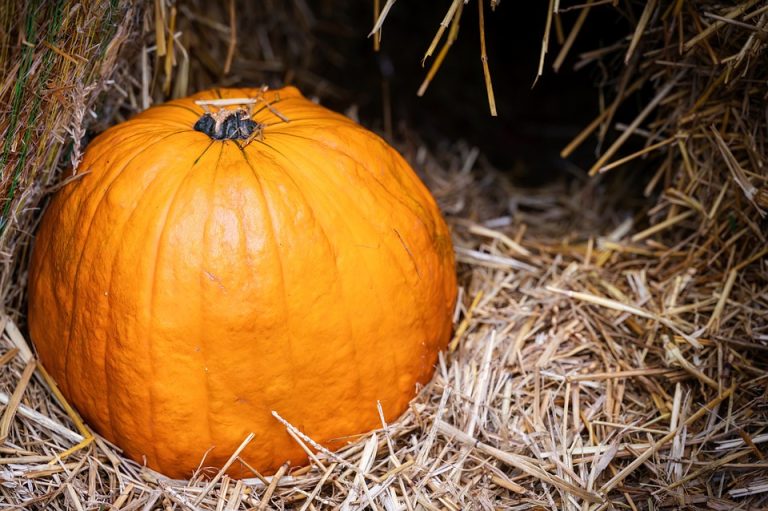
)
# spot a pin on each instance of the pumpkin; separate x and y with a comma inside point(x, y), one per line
point(231, 254)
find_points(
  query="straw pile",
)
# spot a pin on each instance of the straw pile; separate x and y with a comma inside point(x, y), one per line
point(603, 359)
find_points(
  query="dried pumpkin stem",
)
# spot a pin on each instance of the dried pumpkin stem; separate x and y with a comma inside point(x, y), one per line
point(228, 125)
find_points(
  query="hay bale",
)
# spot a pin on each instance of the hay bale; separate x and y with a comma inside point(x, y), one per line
point(600, 361)
point(57, 59)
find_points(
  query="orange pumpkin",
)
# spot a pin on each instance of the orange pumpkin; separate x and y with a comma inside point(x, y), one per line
point(207, 269)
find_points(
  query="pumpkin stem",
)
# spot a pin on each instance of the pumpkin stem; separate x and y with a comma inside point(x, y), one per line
point(227, 125)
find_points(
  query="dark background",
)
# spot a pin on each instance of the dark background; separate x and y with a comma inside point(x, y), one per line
point(534, 121)
point(325, 50)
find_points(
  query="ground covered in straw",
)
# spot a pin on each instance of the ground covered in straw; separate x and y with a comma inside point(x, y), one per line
point(573, 382)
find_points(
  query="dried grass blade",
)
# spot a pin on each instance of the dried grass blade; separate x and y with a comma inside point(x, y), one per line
point(637, 154)
point(232, 37)
point(484, 60)
point(17, 339)
point(714, 320)
point(523, 463)
point(739, 175)
point(706, 33)
point(615, 480)
point(71, 412)
point(441, 29)
point(380, 21)
point(318, 487)
point(73, 497)
point(645, 112)
point(43, 420)
point(452, 35)
point(15, 400)
point(224, 469)
point(654, 229)
point(622, 307)
point(8, 356)
point(642, 23)
point(566, 48)
point(160, 27)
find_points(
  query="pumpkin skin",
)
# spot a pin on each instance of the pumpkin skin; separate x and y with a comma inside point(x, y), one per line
point(183, 288)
